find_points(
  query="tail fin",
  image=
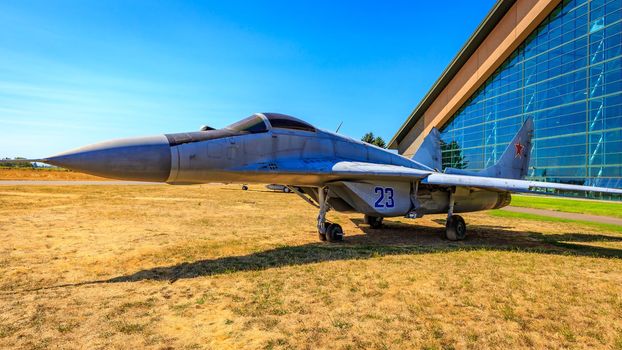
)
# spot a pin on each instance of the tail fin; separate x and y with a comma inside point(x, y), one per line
point(429, 153)
point(514, 162)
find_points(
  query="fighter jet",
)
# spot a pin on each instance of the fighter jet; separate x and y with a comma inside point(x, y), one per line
point(328, 170)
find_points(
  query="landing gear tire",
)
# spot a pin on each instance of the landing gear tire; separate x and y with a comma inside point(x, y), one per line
point(244, 187)
point(455, 228)
point(322, 236)
point(286, 189)
point(334, 233)
point(326, 230)
point(373, 221)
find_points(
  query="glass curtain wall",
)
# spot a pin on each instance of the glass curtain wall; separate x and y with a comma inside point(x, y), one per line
point(568, 76)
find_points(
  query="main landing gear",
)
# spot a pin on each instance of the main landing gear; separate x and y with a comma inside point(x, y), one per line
point(373, 221)
point(455, 228)
point(327, 231)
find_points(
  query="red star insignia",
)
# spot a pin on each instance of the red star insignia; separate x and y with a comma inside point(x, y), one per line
point(519, 150)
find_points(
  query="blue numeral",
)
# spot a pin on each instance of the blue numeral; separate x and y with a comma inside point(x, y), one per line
point(381, 202)
point(378, 203)
point(389, 192)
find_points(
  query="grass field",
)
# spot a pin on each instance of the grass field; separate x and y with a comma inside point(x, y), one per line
point(44, 174)
point(611, 209)
point(214, 267)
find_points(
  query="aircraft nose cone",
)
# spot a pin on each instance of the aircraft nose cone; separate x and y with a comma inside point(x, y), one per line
point(137, 159)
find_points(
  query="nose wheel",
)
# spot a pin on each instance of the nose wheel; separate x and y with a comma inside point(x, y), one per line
point(327, 231)
point(332, 233)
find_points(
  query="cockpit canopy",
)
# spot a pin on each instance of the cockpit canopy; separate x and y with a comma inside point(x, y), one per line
point(252, 125)
point(283, 121)
point(256, 123)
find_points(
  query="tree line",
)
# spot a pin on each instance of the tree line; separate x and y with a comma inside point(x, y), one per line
point(18, 163)
point(374, 140)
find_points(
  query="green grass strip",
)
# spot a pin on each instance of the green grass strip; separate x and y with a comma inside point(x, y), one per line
point(611, 209)
point(595, 225)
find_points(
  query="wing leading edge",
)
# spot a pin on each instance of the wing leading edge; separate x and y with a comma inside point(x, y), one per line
point(510, 185)
point(329, 170)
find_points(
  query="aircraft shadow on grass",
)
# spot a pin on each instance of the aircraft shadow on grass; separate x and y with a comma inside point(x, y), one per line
point(394, 239)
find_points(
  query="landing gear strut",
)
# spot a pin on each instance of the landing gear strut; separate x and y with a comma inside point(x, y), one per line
point(373, 221)
point(455, 228)
point(327, 231)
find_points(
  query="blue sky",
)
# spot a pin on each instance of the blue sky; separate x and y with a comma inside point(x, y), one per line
point(79, 72)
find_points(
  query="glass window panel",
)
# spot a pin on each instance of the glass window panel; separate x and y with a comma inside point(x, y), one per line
point(567, 74)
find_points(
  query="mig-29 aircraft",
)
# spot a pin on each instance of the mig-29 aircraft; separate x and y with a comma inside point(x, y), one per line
point(328, 170)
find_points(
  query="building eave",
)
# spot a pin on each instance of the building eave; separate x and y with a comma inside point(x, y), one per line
point(488, 24)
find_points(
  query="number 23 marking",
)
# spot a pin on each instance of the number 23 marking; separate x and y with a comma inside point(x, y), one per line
point(385, 198)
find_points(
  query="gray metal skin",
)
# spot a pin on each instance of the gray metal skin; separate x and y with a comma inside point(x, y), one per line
point(293, 157)
point(328, 170)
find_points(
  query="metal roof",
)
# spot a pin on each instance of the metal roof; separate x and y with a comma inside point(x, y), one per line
point(482, 31)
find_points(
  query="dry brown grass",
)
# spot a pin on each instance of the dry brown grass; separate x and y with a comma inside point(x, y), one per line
point(215, 267)
point(44, 174)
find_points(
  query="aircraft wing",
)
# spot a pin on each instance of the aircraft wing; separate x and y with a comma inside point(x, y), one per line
point(338, 170)
point(510, 185)
point(377, 170)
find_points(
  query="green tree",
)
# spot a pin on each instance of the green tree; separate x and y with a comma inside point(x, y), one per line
point(452, 155)
point(19, 163)
point(374, 140)
point(369, 137)
point(378, 141)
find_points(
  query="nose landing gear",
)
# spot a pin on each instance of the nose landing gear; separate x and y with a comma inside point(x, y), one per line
point(334, 233)
point(327, 231)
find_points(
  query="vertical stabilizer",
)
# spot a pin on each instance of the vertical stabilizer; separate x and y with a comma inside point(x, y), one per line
point(429, 153)
point(514, 162)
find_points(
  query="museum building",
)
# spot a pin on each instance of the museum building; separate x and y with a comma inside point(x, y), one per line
point(559, 62)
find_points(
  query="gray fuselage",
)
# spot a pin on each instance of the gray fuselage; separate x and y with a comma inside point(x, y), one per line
point(275, 148)
point(261, 157)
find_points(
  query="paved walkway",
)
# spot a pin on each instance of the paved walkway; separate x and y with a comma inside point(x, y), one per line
point(564, 215)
